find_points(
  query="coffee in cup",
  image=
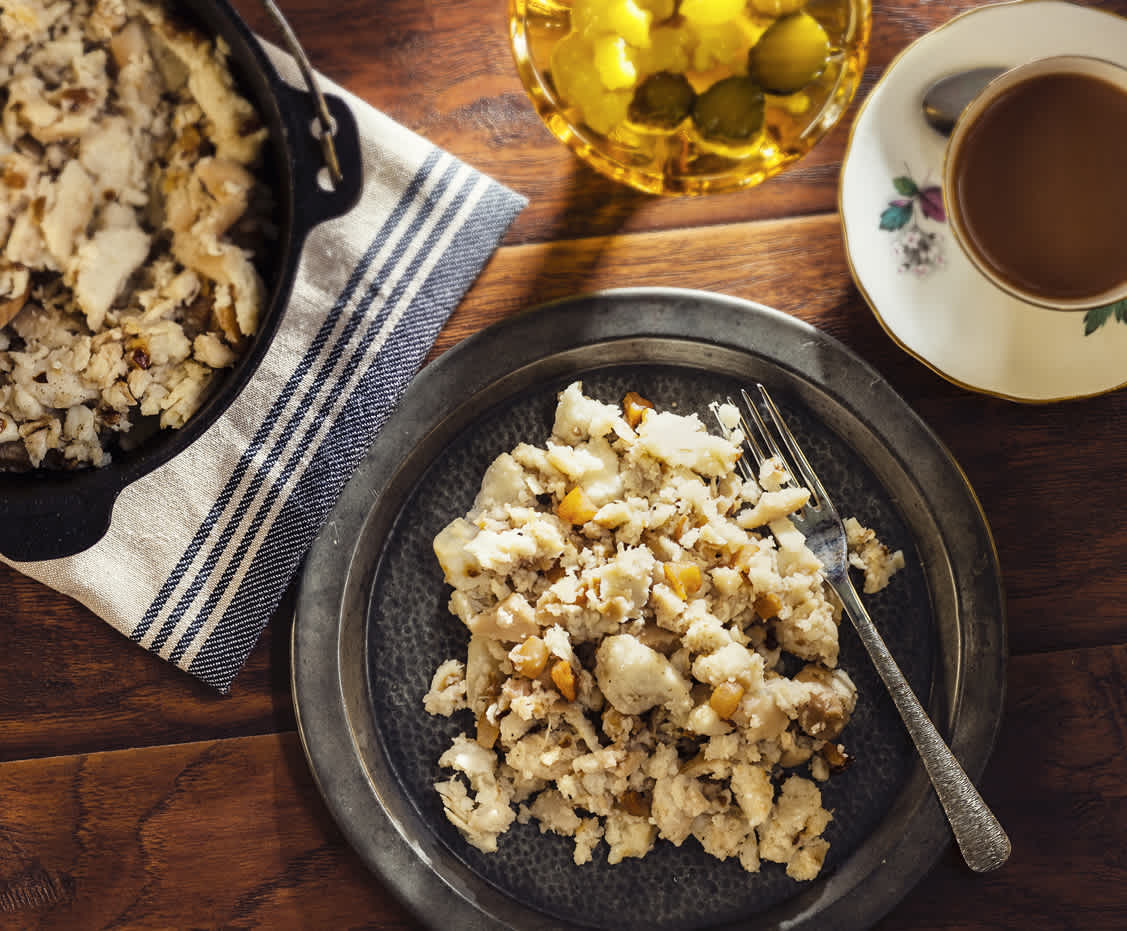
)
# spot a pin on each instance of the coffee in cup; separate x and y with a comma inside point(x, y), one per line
point(1035, 182)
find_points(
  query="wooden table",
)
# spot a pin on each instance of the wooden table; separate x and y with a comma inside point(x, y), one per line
point(132, 796)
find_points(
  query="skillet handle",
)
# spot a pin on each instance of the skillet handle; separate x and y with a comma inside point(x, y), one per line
point(324, 117)
point(312, 203)
point(51, 527)
point(333, 126)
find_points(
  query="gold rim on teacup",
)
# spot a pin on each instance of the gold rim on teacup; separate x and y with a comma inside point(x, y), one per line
point(1056, 64)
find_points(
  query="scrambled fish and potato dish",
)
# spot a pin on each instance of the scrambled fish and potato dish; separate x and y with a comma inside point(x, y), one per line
point(634, 609)
point(129, 214)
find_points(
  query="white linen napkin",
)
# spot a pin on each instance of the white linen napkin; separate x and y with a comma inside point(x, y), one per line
point(201, 550)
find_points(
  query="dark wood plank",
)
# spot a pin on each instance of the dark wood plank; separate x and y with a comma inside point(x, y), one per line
point(221, 834)
point(444, 69)
point(232, 834)
point(1058, 782)
point(69, 683)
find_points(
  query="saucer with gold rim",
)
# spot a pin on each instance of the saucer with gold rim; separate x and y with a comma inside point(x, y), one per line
point(924, 291)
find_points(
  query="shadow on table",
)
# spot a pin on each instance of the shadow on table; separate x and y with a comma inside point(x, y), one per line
point(595, 209)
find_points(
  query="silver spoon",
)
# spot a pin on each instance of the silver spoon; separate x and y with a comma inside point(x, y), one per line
point(948, 97)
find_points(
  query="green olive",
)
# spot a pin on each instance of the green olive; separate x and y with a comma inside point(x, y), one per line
point(662, 101)
point(790, 54)
point(730, 111)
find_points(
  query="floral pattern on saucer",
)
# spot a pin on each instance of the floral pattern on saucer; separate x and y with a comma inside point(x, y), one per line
point(1098, 316)
point(917, 249)
point(920, 250)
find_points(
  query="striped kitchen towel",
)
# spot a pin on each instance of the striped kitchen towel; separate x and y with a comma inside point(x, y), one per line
point(201, 550)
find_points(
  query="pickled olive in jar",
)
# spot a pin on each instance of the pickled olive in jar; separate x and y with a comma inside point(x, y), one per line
point(730, 111)
point(661, 101)
point(690, 96)
point(790, 54)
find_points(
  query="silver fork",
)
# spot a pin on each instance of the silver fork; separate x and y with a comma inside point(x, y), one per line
point(980, 836)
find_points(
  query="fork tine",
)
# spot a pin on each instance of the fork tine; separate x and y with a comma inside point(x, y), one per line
point(758, 427)
point(747, 440)
point(807, 474)
point(750, 435)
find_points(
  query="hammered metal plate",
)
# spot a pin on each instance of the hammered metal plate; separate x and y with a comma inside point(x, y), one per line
point(372, 623)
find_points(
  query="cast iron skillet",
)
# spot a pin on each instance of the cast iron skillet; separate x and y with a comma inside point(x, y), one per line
point(50, 514)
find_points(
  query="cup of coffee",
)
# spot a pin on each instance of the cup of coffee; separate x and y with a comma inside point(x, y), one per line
point(1035, 183)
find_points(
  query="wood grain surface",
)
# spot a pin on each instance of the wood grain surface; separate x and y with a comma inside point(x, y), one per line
point(231, 833)
point(132, 796)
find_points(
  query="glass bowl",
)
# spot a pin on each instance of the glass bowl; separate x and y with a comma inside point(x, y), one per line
point(681, 160)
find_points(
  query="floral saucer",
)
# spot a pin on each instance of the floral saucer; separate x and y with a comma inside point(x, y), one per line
point(924, 291)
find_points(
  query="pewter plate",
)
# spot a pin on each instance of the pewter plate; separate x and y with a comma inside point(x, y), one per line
point(371, 623)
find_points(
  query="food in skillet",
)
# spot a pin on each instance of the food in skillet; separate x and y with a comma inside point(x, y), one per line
point(130, 213)
point(653, 649)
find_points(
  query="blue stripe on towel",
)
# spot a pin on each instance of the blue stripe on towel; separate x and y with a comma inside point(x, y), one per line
point(346, 443)
point(321, 386)
point(312, 421)
point(410, 193)
point(353, 319)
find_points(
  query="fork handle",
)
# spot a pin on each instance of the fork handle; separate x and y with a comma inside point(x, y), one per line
point(979, 834)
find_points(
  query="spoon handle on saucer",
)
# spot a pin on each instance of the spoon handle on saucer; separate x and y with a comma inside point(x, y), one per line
point(949, 96)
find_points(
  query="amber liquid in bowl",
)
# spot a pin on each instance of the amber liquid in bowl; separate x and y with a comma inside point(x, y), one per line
point(680, 161)
point(1040, 185)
